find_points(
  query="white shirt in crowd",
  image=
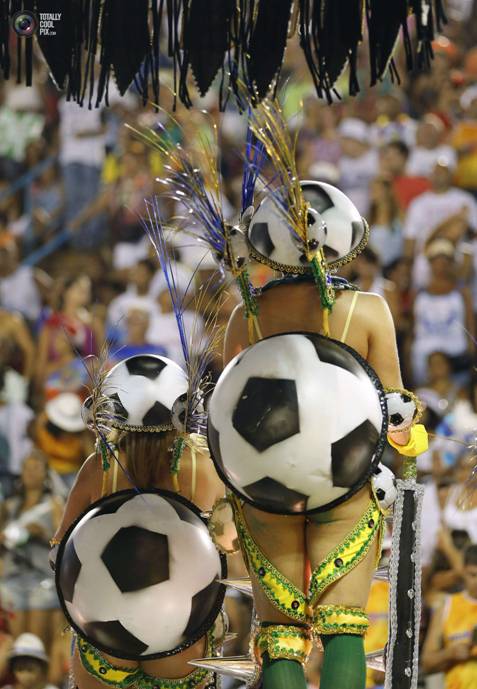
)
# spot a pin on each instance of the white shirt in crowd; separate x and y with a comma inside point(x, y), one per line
point(356, 175)
point(88, 150)
point(422, 160)
point(18, 292)
point(425, 213)
point(439, 327)
point(14, 420)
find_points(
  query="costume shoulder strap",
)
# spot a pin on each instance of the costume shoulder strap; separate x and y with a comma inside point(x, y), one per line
point(349, 317)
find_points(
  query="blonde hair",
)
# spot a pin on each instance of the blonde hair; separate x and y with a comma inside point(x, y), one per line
point(148, 455)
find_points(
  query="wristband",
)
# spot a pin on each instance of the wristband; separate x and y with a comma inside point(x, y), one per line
point(417, 444)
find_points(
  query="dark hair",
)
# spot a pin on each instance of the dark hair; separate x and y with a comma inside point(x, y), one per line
point(370, 255)
point(43, 664)
point(62, 286)
point(390, 201)
point(19, 489)
point(149, 264)
point(400, 146)
point(470, 555)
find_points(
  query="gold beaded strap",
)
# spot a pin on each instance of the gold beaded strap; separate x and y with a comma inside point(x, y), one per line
point(348, 553)
point(101, 669)
point(340, 619)
point(279, 590)
point(289, 641)
point(197, 678)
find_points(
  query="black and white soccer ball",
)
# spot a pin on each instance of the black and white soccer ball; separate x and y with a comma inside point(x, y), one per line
point(347, 231)
point(138, 575)
point(271, 239)
point(296, 423)
point(384, 486)
point(142, 390)
point(402, 410)
point(335, 226)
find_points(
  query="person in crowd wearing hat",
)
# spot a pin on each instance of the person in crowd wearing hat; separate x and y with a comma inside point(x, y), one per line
point(358, 162)
point(60, 432)
point(451, 642)
point(444, 211)
point(28, 520)
point(137, 293)
point(429, 147)
point(442, 315)
point(29, 663)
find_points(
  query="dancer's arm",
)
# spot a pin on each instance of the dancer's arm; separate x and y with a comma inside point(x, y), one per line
point(435, 658)
point(382, 346)
point(80, 496)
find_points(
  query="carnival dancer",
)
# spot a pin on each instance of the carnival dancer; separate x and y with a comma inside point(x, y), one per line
point(311, 230)
point(148, 416)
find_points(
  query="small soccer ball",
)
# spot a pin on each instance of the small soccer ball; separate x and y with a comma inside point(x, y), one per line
point(270, 237)
point(384, 486)
point(142, 391)
point(402, 410)
point(138, 575)
point(346, 229)
point(296, 423)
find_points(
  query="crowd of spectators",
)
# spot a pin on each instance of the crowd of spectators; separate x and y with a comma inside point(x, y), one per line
point(75, 180)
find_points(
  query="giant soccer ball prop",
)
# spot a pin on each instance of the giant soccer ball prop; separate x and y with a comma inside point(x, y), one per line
point(297, 423)
point(138, 575)
point(334, 225)
point(142, 390)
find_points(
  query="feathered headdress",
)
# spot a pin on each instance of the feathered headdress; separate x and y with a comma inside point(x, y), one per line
point(199, 345)
point(197, 187)
point(268, 125)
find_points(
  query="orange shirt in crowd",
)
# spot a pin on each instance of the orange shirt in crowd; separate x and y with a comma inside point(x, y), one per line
point(464, 139)
point(459, 623)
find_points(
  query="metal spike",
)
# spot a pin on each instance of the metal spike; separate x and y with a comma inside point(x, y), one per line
point(382, 573)
point(375, 660)
point(242, 584)
point(241, 667)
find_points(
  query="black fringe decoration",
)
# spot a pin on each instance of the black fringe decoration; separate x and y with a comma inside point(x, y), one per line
point(267, 45)
point(57, 49)
point(5, 13)
point(243, 39)
point(330, 32)
point(384, 21)
point(125, 41)
point(207, 38)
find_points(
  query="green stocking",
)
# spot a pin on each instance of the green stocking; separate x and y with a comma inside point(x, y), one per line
point(344, 665)
point(282, 674)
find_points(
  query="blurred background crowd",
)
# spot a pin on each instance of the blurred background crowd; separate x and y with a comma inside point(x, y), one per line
point(76, 271)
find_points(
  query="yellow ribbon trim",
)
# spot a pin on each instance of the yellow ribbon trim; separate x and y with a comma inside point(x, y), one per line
point(99, 667)
point(339, 619)
point(284, 641)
